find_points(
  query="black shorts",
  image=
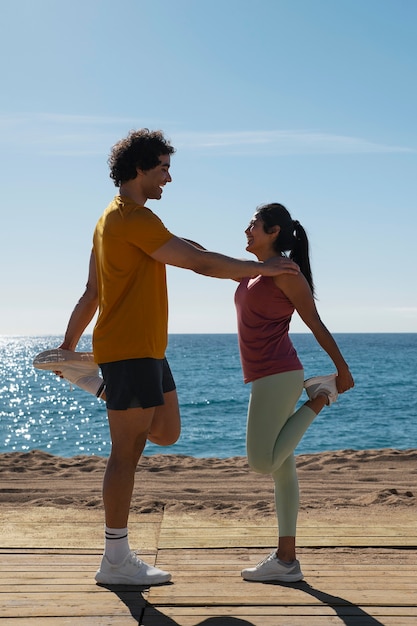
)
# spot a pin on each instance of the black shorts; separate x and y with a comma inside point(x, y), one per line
point(135, 383)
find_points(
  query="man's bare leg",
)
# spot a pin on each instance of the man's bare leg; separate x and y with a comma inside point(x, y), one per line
point(166, 423)
point(129, 430)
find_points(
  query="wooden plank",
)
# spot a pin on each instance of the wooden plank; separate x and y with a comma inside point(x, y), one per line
point(69, 528)
point(245, 529)
point(73, 604)
point(228, 617)
point(219, 532)
point(21, 558)
point(254, 533)
point(87, 620)
point(363, 619)
point(268, 543)
point(172, 540)
point(235, 599)
point(60, 586)
point(213, 577)
point(42, 587)
point(325, 610)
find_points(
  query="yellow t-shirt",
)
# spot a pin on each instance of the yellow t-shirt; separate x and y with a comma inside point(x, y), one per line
point(133, 305)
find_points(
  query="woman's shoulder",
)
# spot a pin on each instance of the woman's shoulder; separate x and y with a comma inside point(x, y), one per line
point(290, 282)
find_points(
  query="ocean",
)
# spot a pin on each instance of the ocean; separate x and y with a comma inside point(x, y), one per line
point(40, 411)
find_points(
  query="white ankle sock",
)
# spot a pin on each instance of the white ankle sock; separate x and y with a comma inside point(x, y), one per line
point(116, 544)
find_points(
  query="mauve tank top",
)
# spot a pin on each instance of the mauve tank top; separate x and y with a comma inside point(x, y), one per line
point(263, 319)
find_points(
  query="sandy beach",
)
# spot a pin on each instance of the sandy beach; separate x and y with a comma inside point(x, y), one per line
point(329, 481)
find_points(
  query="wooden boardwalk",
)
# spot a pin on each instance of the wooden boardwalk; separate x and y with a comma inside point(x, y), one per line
point(355, 575)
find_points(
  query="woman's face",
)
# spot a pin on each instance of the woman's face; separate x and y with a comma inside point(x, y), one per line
point(259, 242)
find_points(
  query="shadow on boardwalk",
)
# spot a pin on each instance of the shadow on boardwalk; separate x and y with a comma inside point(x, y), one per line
point(146, 614)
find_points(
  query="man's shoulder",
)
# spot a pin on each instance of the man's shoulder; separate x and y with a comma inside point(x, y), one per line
point(125, 208)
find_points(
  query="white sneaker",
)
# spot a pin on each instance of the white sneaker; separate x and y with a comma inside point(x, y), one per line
point(131, 571)
point(322, 385)
point(78, 368)
point(271, 568)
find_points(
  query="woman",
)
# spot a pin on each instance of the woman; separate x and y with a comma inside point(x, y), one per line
point(270, 363)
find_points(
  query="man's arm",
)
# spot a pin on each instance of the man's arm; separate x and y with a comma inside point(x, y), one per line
point(180, 253)
point(84, 310)
point(194, 243)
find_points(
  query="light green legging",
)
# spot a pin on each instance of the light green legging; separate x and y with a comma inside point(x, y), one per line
point(273, 432)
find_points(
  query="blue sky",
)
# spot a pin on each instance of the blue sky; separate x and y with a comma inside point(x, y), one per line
point(311, 103)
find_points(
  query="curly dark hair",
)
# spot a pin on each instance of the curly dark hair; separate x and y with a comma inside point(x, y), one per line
point(140, 149)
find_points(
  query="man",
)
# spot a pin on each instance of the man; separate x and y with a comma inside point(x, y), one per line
point(127, 283)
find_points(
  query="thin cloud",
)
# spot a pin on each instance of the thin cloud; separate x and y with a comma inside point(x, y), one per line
point(85, 135)
point(284, 142)
point(410, 311)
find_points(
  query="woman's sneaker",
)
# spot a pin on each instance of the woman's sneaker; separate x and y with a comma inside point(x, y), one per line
point(272, 568)
point(322, 385)
point(78, 368)
point(131, 571)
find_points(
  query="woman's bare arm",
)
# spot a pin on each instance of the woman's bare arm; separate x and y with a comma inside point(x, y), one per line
point(297, 289)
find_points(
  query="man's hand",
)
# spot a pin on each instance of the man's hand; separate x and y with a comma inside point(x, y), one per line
point(279, 265)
